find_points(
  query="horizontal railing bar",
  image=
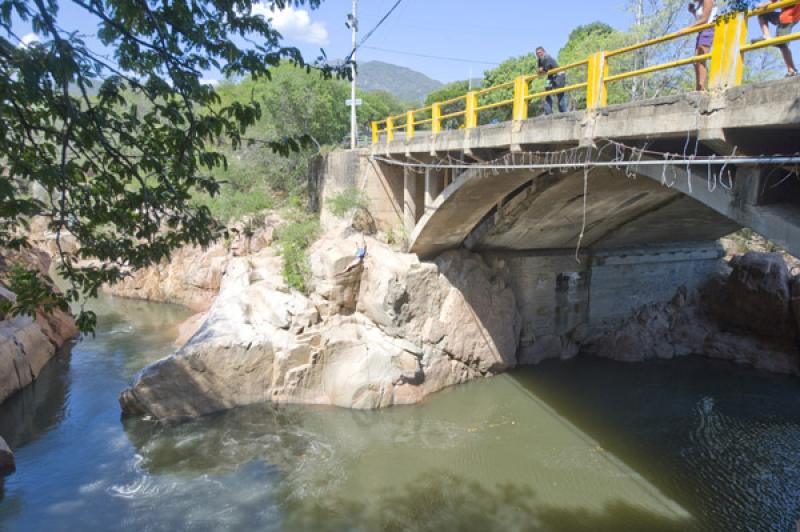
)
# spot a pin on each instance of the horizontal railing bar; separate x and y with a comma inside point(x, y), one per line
point(452, 100)
point(771, 7)
point(494, 88)
point(568, 88)
point(426, 121)
point(669, 37)
point(494, 105)
point(452, 115)
point(656, 68)
point(771, 42)
point(561, 69)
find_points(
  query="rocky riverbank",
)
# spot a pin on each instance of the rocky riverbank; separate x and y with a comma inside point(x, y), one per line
point(389, 331)
point(26, 343)
point(392, 330)
point(750, 315)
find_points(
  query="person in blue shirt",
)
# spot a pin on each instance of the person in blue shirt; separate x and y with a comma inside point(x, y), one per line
point(554, 81)
point(361, 252)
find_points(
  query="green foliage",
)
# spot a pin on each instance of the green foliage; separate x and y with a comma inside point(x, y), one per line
point(448, 92)
point(294, 103)
point(508, 70)
point(115, 150)
point(583, 42)
point(346, 201)
point(232, 205)
point(293, 239)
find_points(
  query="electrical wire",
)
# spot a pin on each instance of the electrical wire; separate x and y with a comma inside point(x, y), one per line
point(457, 59)
point(370, 32)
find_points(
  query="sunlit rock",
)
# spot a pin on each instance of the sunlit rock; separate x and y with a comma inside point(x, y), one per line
point(388, 331)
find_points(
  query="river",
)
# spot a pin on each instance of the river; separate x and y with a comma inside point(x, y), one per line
point(584, 445)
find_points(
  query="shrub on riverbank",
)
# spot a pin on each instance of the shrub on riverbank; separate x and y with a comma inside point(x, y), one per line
point(293, 239)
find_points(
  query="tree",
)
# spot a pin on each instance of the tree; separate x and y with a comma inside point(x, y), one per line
point(506, 72)
point(584, 41)
point(293, 103)
point(119, 176)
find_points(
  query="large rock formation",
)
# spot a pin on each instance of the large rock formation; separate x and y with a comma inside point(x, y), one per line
point(756, 297)
point(746, 317)
point(192, 277)
point(391, 330)
point(26, 343)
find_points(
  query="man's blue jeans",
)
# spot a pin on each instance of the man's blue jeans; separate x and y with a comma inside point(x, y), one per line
point(563, 103)
point(558, 82)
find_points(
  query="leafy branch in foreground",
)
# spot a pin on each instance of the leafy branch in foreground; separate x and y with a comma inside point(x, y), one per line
point(112, 150)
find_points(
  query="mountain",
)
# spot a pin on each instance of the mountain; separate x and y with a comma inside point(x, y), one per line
point(408, 85)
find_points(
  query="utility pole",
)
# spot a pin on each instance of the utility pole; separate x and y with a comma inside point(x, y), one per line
point(353, 120)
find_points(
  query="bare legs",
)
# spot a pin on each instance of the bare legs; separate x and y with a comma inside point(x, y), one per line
point(701, 69)
point(789, 60)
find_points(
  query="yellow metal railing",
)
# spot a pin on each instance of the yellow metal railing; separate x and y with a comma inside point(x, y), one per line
point(725, 71)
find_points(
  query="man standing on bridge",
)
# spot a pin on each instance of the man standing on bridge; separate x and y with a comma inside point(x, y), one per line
point(554, 81)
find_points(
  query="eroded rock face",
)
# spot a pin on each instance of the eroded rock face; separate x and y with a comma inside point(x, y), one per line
point(389, 331)
point(27, 344)
point(192, 278)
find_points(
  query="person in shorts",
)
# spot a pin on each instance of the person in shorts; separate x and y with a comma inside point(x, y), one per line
point(704, 12)
point(784, 23)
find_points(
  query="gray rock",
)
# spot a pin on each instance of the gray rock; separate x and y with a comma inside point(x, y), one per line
point(756, 296)
point(391, 331)
point(7, 465)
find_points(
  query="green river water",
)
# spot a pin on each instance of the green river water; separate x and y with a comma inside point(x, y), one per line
point(583, 445)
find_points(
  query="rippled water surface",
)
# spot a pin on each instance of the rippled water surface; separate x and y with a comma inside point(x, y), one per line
point(583, 445)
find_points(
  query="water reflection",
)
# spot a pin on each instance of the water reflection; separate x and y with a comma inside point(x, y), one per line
point(37, 408)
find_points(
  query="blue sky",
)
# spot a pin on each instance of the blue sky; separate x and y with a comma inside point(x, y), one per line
point(484, 32)
point(475, 35)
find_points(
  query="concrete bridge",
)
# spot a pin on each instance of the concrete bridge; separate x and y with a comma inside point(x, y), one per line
point(538, 209)
point(642, 240)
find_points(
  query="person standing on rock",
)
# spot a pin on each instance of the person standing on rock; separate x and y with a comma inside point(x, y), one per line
point(361, 252)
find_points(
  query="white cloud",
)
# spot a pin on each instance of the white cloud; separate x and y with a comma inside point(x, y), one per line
point(294, 24)
point(209, 81)
point(29, 39)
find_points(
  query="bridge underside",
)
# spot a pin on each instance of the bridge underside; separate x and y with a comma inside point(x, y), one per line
point(621, 211)
point(535, 210)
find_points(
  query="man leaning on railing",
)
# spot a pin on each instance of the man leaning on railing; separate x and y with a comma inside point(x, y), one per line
point(784, 23)
point(554, 81)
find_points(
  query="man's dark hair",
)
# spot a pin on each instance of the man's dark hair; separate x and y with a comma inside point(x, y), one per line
point(540, 48)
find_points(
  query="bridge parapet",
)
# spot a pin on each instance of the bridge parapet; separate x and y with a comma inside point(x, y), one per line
point(595, 73)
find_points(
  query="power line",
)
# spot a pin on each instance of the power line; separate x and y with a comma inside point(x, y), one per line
point(431, 56)
point(370, 32)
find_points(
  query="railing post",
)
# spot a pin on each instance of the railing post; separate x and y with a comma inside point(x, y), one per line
point(389, 129)
point(471, 116)
point(727, 62)
point(596, 94)
point(436, 118)
point(409, 124)
point(520, 98)
point(376, 136)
